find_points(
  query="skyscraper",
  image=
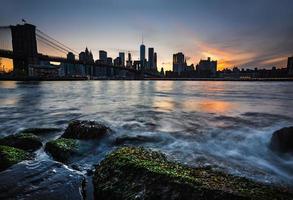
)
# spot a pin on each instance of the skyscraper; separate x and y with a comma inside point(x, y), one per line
point(178, 62)
point(103, 56)
point(142, 56)
point(122, 58)
point(155, 62)
point(129, 61)
point(151, 60)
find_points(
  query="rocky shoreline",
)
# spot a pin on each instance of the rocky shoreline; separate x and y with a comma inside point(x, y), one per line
point(138, 173)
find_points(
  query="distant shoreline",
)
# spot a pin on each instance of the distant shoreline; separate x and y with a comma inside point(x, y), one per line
point(149, 79)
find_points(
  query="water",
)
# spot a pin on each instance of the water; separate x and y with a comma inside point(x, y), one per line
point(226, 125)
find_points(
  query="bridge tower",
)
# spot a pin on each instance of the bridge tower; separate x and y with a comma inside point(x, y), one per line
point(24, 46)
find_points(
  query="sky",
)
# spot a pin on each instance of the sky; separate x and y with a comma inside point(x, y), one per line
point(250, 33)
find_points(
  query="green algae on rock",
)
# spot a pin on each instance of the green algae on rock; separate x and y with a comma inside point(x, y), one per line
point(24, 141)
point(10, 156)
point(62, 149)
point(137, 173)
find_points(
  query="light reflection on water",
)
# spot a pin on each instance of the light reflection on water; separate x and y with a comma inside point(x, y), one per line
point(225, 124)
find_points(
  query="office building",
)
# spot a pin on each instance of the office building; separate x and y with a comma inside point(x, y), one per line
point(122, 58)
point(151, 60)
point(207, 68)
point(142, 57)
point(103, 56)
point(179, 63)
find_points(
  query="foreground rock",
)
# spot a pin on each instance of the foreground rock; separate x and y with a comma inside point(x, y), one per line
point(24, 141)
point(282, 140)
point(85, 130)
point(62, 149)
point(10, 156)
point(136, 173)
point(41, 180)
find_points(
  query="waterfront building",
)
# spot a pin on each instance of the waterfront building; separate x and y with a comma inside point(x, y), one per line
point(142, 56)
point(151, 60)
point(179, 63)
point(207, 68)
point(129, 61)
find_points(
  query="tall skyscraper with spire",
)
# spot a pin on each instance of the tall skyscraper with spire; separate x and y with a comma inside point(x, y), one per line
point(142, 55)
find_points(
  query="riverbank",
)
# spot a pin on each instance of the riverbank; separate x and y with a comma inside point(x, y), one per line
point(127, 172)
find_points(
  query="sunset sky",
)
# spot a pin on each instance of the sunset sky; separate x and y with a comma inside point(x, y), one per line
point(250, 33)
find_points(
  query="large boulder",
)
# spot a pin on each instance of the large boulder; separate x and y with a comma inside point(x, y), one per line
point(136, 173)
point(10, 156)
point(41, 180)
point(85, 130)
point(282, 140)
point(24, 141)
point(62, 149)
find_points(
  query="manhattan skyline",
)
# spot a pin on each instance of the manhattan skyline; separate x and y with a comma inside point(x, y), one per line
point(246, 34)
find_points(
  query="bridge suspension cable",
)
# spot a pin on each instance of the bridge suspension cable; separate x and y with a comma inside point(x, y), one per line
point(51, 44)
point(56, 42)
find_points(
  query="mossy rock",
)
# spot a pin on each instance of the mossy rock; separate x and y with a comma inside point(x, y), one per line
point(85, 130)
point(62, 149)
point(137, 173)
point(10, 156)
point(40, 131)
point(24, 141)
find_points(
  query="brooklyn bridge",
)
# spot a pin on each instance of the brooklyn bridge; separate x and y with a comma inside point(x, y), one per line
point(33, 50)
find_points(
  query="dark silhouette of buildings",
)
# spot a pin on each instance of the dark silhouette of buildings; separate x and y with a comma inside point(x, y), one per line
point(103, 56)
point(151, 60)
point(142, 57)
point(179, 63)
point(86, 57)
point(290, 66)
point(122, 59)
point(207, 68)
point(129, 61)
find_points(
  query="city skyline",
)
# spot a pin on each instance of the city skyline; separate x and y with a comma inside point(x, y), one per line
point(236, 34)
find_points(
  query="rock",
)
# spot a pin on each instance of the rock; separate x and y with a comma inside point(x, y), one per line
point(40, 180)
point(282, 140)
point(10, 156)
point(85, 130)
point(24, 141)
point(62, 149)
point(137, 173)
point(40, 131)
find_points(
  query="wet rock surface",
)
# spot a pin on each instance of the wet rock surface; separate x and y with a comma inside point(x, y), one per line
point(137, 173)
point(24, 141)
point(85, 130)
point(282, 140)
point(41, 180)
point(10, 156)
point(40, 131)
point(62, 149)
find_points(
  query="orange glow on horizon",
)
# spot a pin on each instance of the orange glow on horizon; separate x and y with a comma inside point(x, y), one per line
point(6, 65)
